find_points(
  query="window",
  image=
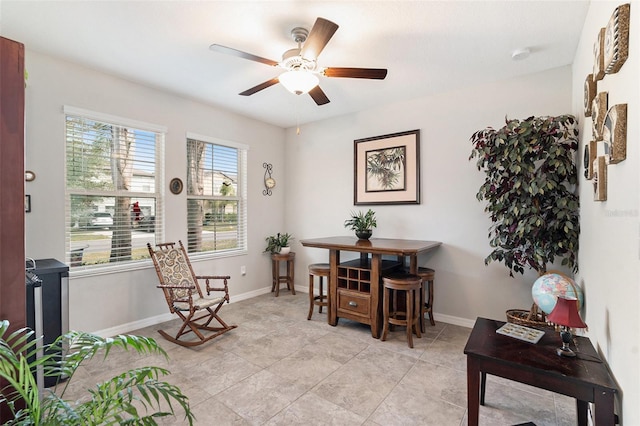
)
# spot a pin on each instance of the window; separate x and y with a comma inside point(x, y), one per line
point(216, 195)
point(113, 195)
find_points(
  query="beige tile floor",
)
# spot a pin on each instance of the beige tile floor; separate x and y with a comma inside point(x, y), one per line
point(278, 368)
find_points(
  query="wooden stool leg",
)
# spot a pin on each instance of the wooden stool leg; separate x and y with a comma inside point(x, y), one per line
point(321, 295)
point(385, 304)
point(291, 273)
point(409, 316)
point(423, 301)
point(431, 303)
point(277, 283)
point(274, 276)
point(417, 311)
point(311, 298)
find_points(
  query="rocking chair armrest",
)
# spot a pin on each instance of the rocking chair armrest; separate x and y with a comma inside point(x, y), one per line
point(213, 277)
point(207, 278)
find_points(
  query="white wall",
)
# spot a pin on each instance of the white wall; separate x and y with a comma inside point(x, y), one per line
point(107, 301)
point(320, 186)
point(609, 243)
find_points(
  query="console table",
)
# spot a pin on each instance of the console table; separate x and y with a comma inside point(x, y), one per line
point(585, 377)
point(355, 286)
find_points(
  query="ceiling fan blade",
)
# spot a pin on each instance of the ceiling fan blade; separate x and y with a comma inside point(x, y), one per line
point(318, 96)
point(241, 54)
point(373, 73)
point(260, 87)
point(319, 36)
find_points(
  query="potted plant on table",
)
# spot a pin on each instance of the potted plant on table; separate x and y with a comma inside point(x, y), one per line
point(529, 190)
point(362, 223)
point(279, 243)
point(132, 397)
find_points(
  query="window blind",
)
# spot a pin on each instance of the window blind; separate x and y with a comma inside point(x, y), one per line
point(216, 196)
point(113, 196)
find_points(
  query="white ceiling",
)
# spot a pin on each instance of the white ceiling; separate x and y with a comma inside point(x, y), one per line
point(427, 46)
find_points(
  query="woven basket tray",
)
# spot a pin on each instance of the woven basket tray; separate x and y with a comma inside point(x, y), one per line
point(531, 318)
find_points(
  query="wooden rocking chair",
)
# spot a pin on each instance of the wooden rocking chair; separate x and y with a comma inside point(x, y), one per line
point(184, 296)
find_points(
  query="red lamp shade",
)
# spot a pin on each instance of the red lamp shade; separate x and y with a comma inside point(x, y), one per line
point(566, 313)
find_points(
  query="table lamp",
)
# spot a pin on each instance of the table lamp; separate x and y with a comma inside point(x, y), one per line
point(565, 314)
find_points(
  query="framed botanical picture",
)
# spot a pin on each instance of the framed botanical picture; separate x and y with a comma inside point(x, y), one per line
point(589, 94)
point(598, 56)
point(616, 40)
point(614, 134)
point(387, 169)
point(598, 112)
point(590, 153)
point(600, 179)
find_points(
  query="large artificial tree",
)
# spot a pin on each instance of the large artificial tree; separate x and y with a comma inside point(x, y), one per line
point(530, 191)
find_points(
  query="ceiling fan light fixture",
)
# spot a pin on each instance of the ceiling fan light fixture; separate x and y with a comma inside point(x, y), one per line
point(298, 81)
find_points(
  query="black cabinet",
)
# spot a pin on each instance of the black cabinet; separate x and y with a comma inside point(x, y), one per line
point(54, 277)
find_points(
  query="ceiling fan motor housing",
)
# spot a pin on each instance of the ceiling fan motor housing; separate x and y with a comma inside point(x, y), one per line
point(292, 61)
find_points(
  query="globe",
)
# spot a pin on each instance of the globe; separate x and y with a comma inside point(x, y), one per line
point(548, 287)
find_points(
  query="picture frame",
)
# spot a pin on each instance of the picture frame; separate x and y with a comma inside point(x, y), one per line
point(614, 134)
point(27, 203)
point(387, 169)
point(598, 56)
point(616, 40)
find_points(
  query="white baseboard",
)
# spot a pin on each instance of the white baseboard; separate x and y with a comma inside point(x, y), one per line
point(158, 319)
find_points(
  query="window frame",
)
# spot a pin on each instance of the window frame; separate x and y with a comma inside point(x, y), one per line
point(158, 195)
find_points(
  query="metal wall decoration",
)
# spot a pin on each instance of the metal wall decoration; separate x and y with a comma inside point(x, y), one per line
point(269, 181)
point(616, 39)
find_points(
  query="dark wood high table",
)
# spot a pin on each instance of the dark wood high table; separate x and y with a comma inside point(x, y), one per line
point(355, 286)
point(584, 377)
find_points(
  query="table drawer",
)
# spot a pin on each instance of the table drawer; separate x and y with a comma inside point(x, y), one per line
point(354, 302)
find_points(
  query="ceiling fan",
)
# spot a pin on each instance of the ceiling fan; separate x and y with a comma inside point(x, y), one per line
point(301, 64)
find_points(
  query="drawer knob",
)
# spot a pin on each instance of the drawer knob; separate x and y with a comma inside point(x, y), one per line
point(353, 304)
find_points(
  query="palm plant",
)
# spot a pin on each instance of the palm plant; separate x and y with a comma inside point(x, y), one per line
point(362, 223)
point(116, 401)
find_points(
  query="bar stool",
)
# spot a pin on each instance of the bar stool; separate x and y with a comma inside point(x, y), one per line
point(426, 295)
point(320, 270)
point(276, 258)
point(410, 285)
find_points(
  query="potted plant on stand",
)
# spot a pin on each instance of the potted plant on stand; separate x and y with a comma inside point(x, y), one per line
point(529, 190)
point(362, 223)
point(279, 243)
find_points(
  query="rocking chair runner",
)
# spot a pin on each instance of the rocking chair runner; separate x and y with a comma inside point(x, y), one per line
point(184, 296)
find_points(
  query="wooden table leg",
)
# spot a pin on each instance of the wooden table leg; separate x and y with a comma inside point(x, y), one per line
point(375, 291)
point(604, 406)
point(473, 394)
point(334, 260)
point(582, 408)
